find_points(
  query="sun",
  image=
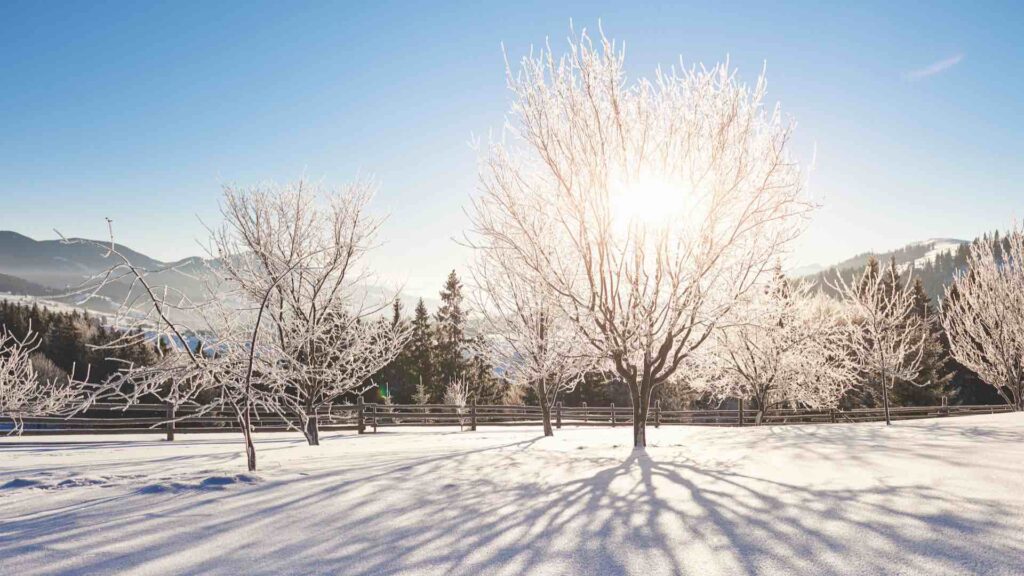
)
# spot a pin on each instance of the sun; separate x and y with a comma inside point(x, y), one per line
point(646, 200)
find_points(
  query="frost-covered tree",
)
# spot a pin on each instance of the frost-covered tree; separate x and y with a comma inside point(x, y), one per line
point(304, 244)
point(456, 393)
point(23, 393)
point(422, 395)
point(983, 315)
point(646, 206)
point(782, 346)
point(238, 371)
point(528, 338)
point(887, 336)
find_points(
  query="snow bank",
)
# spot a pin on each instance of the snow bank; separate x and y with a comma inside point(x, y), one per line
point(923, 497)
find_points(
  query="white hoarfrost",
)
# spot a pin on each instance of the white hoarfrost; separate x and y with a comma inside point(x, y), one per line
point(887, 336)
point(983, 314)
point(924, 498)
point(23, 392)
point(646, 206)
point(529, 339)
point(304, 245)
point(284, 333)
point(782, 347)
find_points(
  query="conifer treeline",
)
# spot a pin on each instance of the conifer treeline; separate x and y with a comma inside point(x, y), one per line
point(439, 351)
point(69, 343)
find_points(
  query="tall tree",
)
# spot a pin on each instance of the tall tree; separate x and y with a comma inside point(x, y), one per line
point(648, 207)
point(932, 377)
point(450, 344)
point(421, 354)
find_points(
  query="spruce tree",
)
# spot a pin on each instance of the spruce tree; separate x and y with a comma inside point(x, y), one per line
point(449, 336)
point(396, 380)
point(928, 388)
point(421, 350)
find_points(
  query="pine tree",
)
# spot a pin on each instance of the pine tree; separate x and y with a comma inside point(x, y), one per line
point(421, 350)
point(397, 381)
point(928, 388)
point(449, 336)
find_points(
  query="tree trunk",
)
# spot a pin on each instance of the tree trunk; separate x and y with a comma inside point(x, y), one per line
point(250, 448)
point(312, 431)
point(641, 400)
point(885, 403)
point(545, 413)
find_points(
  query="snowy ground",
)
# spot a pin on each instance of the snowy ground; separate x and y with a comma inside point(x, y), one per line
point(926, 497)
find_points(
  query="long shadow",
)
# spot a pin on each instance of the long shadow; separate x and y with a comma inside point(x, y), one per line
point(474, 511)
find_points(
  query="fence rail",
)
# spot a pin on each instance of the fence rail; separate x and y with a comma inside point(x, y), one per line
point(162, 419)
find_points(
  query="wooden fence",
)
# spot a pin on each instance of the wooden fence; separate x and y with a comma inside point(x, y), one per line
point(362, 417)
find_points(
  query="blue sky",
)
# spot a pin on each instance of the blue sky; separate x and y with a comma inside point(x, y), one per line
point(140, 111)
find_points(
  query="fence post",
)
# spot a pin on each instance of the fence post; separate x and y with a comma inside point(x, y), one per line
point(657, 413)
point(613, 414)
point(558, 414)
point(360, 407)
point(472, 415)
point(373, 419)
point(586, 413)
point(741, 412)
point(944, 410)
point(832, 415)
point(170, 422)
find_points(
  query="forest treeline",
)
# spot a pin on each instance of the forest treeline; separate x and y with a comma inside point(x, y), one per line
point(443, 347)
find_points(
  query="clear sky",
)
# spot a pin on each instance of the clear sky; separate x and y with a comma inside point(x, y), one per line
point(140, 111)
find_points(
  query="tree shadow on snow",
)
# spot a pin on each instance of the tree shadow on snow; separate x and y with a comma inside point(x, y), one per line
point(475, 511)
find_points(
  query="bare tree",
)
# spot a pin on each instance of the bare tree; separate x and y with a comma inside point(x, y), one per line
point(23, 393)
point(528, 337)
point(784, 346)
point(304, 245)
point(240, 371)
point(983, 315)
point(646, 207)
point(887, 335)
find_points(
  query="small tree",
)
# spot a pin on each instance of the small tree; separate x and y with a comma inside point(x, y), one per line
point(23, 393)
point(303, 244)
point(529, 339)
point(784, 345)
point(983, 315)
point(422, 395)
point(646, 207)
point(456, 394)
point(887, 336)
point(242, 371)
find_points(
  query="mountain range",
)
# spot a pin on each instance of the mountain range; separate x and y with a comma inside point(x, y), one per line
point(52, 270)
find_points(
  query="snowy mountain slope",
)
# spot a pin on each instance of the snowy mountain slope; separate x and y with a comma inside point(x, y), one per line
point(915, 254)
point(925, 497)
point(50, 268)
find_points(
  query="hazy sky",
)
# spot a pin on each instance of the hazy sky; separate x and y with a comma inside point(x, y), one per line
point(140, 111)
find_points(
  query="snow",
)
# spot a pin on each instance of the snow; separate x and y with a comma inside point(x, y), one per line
point(939, 496)
point(938, 246)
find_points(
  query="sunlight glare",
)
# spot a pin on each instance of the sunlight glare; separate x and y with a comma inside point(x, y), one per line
point(647, 200)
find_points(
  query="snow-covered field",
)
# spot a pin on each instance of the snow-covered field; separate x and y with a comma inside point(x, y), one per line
point(927, 497)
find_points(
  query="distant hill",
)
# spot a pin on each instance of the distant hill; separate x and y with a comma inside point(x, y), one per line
point(934, 261)
point(14, 285)
point(52, 269)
